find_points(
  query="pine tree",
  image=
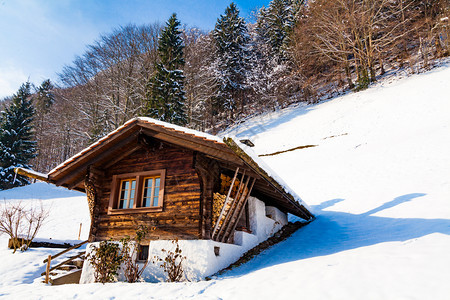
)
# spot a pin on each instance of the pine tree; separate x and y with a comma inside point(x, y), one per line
point(43, 100)
point(232, 42)
point(17, 146)
point(166, 97)
point(44, 96)
point(276, 23)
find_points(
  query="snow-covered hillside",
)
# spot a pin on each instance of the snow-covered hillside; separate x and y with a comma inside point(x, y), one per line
point(377, 178)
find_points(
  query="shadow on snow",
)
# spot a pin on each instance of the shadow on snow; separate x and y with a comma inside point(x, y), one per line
point(334, 232)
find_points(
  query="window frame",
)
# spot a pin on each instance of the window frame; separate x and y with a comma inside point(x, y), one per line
point(128, 192)
point(138, 194)
point(152, 188)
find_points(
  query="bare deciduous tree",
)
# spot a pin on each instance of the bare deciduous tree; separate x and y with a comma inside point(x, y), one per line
point(21, 223)
point(109, 82)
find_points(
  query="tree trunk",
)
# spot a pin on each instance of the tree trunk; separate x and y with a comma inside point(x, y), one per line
point(438, 47)
point(349, 77)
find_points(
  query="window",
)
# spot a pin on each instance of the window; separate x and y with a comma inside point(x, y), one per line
point(137, 192)
point(151, 191)
point(143, 253)
point(127, 191)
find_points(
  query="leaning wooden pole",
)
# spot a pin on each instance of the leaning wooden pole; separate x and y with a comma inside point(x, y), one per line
point(224, 204)
point(234, 215)
point(233, 207)
point(242, 208)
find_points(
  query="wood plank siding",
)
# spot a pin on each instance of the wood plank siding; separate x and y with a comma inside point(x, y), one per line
point(189, 165)
point(180, 216)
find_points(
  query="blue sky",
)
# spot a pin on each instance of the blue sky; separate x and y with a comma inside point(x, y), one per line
point(39, 37)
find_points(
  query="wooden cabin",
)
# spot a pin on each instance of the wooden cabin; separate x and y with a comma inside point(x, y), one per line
point(180, 183)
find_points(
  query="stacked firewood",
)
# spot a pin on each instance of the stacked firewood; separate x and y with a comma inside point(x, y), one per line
point(225, 185)
point(219, 201)
point(220, 197)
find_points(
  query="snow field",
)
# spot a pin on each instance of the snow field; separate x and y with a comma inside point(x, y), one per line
point(378, 181)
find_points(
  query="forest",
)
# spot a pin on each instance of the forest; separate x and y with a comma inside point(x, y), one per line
point(293, 51)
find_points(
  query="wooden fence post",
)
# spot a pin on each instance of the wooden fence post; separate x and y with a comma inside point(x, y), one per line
point(79, 232)
point(47, 270)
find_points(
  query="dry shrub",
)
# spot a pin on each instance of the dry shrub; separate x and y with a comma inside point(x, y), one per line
point(172, 263)
point(110, 256)
point(106, 260)
point(130, 252)
point(21, 223)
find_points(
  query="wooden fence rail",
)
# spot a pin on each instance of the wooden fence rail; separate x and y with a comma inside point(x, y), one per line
point(49, 259)
point(66, 250)
point(48, 270)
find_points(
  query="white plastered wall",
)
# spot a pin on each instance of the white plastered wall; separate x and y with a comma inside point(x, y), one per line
point(201, 260)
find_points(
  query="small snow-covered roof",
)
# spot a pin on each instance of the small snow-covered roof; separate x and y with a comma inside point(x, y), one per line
point(122, 142)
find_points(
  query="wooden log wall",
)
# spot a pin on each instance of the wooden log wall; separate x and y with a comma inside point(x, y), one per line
point(208, 171)
point(93, 187)
point(180, 217)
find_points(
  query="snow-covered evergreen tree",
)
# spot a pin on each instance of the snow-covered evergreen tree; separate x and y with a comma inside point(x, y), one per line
point(272, 78)
point(17, 146)
point(232, 42)
point(43, 100)
point(276, 23)
point(166, 97)
point(44, 96)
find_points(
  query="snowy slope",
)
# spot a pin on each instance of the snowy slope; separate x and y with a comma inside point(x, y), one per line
point(378, 180)
point(67, 210)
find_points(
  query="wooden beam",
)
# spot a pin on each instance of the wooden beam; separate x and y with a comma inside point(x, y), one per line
point(230, 214)
point(76, 183)
point(32, 174)
point(80, 169)
point(67, 250)
point(80, 179)
point(108, 140)
point(121, 156)
point(217, 151)
point(61, 264)
point(231, 165)
point(47, 269)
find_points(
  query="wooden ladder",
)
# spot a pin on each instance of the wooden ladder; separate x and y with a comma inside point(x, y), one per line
point(62, 265)
point(223, 230)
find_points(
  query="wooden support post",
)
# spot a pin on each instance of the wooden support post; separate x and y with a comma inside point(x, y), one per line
point(47, 269)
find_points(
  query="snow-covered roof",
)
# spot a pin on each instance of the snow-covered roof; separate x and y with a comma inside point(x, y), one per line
point(147, 120)
point(193, 132)
point(70, 172)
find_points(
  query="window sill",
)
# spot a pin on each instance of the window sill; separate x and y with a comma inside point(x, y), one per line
point(118, 211)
